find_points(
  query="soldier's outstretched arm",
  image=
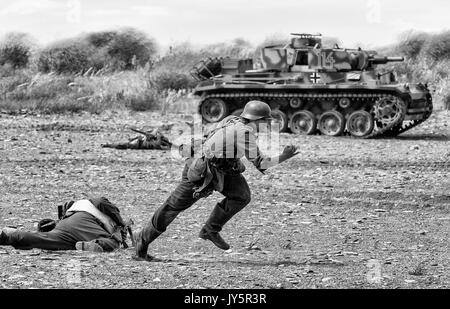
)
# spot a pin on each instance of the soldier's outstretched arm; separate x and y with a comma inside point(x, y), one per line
point(259, 160)
point(288, 152)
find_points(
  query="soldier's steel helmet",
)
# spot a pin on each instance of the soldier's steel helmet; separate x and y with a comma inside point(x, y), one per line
point(255, 110)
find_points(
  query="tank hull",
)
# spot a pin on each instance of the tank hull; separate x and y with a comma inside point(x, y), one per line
point(414, 106)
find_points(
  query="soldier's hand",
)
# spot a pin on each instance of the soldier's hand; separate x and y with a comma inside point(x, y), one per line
point(290, 151)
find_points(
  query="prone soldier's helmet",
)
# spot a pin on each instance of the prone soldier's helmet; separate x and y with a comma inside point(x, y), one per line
point(255, 110)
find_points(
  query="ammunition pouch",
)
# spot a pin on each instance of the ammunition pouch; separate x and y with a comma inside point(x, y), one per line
point(228, 166)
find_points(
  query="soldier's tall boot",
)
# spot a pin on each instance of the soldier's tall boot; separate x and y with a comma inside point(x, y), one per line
point(142, 239)
point(213, 226)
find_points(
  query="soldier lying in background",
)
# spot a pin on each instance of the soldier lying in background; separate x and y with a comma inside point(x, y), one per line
point(89, 225)
point(148, 140)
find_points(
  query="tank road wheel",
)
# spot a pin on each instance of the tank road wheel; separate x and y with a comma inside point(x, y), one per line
point(331, 123)
point(280, 119)
point(295, 103)
point(360, 123)
point(214, 110)
point(345, 103)
point(237, 112)
point(388, 110)
point(303, 122)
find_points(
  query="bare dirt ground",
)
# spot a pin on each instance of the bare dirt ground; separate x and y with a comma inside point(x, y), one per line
point(345, 213)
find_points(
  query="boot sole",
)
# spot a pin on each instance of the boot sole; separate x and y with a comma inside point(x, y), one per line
point(205, 237)
point(147, 258)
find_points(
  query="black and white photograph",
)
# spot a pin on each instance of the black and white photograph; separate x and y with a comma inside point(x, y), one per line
point(224, 150)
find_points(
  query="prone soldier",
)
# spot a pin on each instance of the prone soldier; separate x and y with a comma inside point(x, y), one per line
point(93, 224)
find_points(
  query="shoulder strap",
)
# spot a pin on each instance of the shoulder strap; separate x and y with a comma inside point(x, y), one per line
point(233, 120)
point(229, 122)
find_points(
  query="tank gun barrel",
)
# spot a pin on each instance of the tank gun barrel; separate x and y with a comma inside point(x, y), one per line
point(384, 60)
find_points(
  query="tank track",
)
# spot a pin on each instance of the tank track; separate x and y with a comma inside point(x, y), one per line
point(403, 127)
point(391, 129)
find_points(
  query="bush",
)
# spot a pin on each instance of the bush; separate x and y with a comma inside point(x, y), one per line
point(19, 80)
point(116, 50)
point(102, 38)
point(15, 50)
point(39, 87)
point(411, 43)
point(129, 48)
point(168, 79)
point(237, 48)
point(181, 58)
point(437, 47)
point(70, 56)
point(7, 70)
point(447, 101)
point(140, 103)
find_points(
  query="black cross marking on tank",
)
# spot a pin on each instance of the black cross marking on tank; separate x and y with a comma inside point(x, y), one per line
point(315, 78)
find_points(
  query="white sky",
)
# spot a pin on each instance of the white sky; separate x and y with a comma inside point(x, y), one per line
point(367, 22)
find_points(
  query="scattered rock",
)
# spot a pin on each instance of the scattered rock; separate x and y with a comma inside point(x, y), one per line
point(306, 222)
point(350, 253)
point(379, 210)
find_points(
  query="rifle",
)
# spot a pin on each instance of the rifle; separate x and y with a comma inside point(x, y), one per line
point(140, 132)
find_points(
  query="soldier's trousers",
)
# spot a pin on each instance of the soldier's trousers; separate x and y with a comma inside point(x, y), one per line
point(237, 196)
point(80, 226)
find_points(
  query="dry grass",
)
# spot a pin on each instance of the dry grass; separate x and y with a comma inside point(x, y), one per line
point(52, 93)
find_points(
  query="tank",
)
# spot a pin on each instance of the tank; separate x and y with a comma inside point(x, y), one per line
point(314, 90)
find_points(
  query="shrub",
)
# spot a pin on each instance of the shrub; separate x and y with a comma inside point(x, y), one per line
point(237, 48)
point(447, 101)
point(129, 48)
point(102, 38)
point(437, 47)
point(168, 79)
point(15, 49)
point(11, 82)
point(274, 39)
point(150, 100)
point(69, 56)
point(7, 70)
point(40, 87)
point(181, 57)
point(116, 50)
point(411, 43)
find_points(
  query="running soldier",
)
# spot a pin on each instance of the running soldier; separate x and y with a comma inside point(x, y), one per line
point(218, 169)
